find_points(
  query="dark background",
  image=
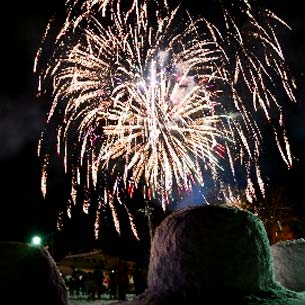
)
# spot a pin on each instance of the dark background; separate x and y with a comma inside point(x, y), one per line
point(23, 212)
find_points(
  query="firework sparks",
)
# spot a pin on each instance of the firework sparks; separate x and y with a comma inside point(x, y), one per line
point(160, 101)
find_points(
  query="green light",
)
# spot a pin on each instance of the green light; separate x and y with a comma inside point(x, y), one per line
point(36, 241)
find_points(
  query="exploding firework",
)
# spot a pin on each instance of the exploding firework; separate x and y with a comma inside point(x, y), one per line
point(149, 99)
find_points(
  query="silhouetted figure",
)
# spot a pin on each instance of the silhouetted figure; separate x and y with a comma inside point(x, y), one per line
point(139, 280)
point(112, 285)
point(91, 286)
point(29, 275)
point(122, 280)
point(98, 276)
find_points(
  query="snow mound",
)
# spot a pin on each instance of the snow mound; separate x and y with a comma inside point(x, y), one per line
point(289, 263)
point(211, 247)
point(29, 275)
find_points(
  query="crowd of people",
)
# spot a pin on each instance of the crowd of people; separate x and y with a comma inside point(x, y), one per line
point(115, 284)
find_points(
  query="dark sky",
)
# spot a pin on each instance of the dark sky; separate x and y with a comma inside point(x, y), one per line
point(23, 211)
point(21, 119)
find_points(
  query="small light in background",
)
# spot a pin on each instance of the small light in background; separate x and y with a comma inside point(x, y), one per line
point(36, 241)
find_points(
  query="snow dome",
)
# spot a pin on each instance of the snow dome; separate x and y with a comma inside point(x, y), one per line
point(29, 275)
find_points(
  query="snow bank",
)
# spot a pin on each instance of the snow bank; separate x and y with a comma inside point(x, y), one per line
point(289, 263)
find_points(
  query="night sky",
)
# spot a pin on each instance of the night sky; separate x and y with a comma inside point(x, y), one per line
point(22, 115)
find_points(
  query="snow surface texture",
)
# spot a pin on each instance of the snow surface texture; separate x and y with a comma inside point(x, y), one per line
point(213, 255)
point(29, 275)
point(289, 263)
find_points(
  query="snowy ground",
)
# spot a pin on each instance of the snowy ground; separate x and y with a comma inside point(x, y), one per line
point(82, 300)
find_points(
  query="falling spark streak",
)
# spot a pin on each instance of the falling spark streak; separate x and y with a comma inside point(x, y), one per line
point(161, 101)
point(44, 176)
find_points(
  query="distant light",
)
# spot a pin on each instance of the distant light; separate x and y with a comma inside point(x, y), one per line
point(36, 241)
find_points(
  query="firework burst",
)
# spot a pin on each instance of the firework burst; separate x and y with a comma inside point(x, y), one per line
point(149, 99)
